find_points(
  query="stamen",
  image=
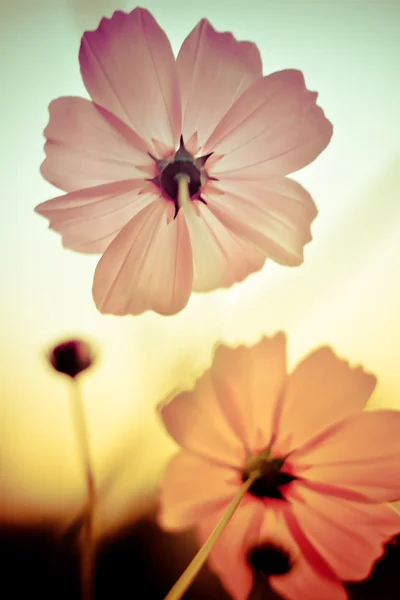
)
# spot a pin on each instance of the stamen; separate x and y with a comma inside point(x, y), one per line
point(183, 189)
point(193, 569)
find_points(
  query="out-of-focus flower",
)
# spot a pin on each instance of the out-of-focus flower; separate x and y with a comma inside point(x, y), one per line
point(176, 169)
point(316, 514)
point(71, 357)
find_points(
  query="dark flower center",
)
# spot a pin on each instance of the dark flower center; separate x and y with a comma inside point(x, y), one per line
point(269, 559)
point(169, 182)
point(270, 478)
point(183, 163)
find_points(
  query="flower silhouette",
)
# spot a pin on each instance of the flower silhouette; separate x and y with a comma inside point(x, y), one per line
point(315, 514)
point(176, 169)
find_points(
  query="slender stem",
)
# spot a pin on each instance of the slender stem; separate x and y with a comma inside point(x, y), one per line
point(193, 569)
point(183, 188)
point(87, 550)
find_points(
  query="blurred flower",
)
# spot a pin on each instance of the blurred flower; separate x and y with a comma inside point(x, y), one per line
point(71, 357)
point(316, 513)
point(176, 170)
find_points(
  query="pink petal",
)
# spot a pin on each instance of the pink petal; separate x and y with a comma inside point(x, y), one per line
point(220, 256)
point(360, 453)
point(248, 382)
point(322, 390)
point(274, 128)
point(302, 581)
point(349, 535)
point(275, 215)
point(192, 489)
point(87, 146)
point(196, 421)
point(128, 67)
point(148, 266)
point(214, 70)
point(90, 219)
point(228, 559)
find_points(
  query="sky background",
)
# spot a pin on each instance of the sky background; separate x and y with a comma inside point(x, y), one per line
point(346, 294)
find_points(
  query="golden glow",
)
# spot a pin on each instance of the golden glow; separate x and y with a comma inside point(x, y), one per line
point(347, 293)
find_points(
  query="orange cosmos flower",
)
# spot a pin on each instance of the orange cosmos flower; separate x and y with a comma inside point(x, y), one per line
point(323, 470)
point(175, 170)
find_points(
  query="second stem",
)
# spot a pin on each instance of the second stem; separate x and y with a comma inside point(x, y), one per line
point(87, 541)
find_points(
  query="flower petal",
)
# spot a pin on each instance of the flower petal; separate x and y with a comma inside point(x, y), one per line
point(349, 535)
point(148, 266)
point(275, 215)
point(87, 146)
point(360, 453)
point(193, 488)
point(305, 582)
point(214, 69)
point(196, 421)
point(128, 67)
point(248, 382)
point(302, 581)
point(220, 256)
point(228, 559)
point(322, 390)
point(274, 128)
point(90, 219)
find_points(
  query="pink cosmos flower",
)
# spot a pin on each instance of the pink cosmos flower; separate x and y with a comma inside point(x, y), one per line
point(316, 514)
point(176, 169)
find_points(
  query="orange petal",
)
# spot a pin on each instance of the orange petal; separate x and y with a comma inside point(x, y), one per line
point(321, 390)
point(228, 559)
point(303, 580)
point(349, 535)
point(196, 421)
point(359, 454)
point(248, 381)
point(230, 411)
point(192, 489)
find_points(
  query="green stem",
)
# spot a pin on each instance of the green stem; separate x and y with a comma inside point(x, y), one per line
point(193, 569)
point(183, 188)
point(87, 550)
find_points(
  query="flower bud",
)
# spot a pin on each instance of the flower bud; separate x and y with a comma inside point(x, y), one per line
point(269, 559)
point(71, 357)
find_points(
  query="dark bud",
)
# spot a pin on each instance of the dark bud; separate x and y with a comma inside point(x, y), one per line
point(71, 357)
point(269, 559)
